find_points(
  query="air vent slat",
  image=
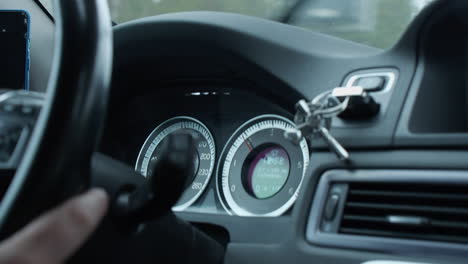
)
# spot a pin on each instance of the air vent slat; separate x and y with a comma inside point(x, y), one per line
point(408, 208)
point(447, 224)
point(364, 218)
point(436, 212)
point(371, 232)
point(410, 194)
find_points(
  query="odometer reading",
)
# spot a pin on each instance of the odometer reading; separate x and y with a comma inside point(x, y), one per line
point(260, 172)
point(268, 172)
point(203, 163)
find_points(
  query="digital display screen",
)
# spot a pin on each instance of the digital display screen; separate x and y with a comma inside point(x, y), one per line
point(269, 172)
point(14, 49)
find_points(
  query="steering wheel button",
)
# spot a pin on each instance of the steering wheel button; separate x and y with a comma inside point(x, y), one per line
point(26, 109)
point(6, 148)
point(8, 108)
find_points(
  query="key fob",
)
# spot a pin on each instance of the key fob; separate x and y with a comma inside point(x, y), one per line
point(360, 108)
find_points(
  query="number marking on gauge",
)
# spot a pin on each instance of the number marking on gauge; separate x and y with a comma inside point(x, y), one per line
point(257, 175)
point(205, 151)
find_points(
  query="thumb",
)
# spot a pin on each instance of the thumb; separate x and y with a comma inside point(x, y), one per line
point(56, 235)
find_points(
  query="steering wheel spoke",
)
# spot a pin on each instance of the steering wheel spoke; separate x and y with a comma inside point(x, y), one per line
point(48, 142)
point(18, 114)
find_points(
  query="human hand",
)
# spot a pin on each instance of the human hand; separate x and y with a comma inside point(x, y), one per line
point(56, 235)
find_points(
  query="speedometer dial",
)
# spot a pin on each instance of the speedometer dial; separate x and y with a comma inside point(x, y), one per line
point(204, 162)
point(261, 172)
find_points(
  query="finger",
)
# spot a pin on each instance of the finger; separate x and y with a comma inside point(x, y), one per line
point(55, 236)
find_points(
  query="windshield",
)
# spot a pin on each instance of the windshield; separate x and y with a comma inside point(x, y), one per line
point(377, 23)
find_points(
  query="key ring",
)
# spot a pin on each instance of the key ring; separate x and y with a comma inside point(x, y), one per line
point(313, 119)
point(327, 112)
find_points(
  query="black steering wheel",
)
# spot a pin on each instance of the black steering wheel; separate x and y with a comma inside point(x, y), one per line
point(56, 162)
point(60, 158)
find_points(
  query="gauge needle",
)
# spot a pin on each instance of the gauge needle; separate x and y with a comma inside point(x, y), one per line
point(249, 144)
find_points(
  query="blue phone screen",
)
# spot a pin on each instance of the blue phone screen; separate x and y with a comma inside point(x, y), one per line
point(14, 49)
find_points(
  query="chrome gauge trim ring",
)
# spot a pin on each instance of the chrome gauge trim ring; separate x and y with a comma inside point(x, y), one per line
point(224, 169)
point(159, 134)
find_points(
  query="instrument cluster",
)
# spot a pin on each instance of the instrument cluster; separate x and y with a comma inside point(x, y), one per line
point(257, 173)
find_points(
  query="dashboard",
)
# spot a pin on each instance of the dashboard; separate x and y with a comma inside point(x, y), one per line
point(233, 81)
point(232, 84)
point(240, 143)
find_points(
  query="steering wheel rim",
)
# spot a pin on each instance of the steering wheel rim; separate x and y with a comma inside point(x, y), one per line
point(69, 126)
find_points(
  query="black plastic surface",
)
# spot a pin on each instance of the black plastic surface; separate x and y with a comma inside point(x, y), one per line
point(250, 245)
point(435, 112)
point(244, 48)
point(209, 47)
point(281, 64)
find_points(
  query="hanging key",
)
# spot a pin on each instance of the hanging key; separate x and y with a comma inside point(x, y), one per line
point(305, 121)
point(313, 119)
point(333, 144)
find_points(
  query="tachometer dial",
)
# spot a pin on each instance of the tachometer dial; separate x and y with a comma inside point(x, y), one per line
point(260, 172)
point(204, 163)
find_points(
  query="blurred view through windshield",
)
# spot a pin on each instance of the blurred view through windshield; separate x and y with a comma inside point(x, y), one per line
point(378, 23)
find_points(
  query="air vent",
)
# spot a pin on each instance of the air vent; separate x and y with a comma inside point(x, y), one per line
point(421, 211)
